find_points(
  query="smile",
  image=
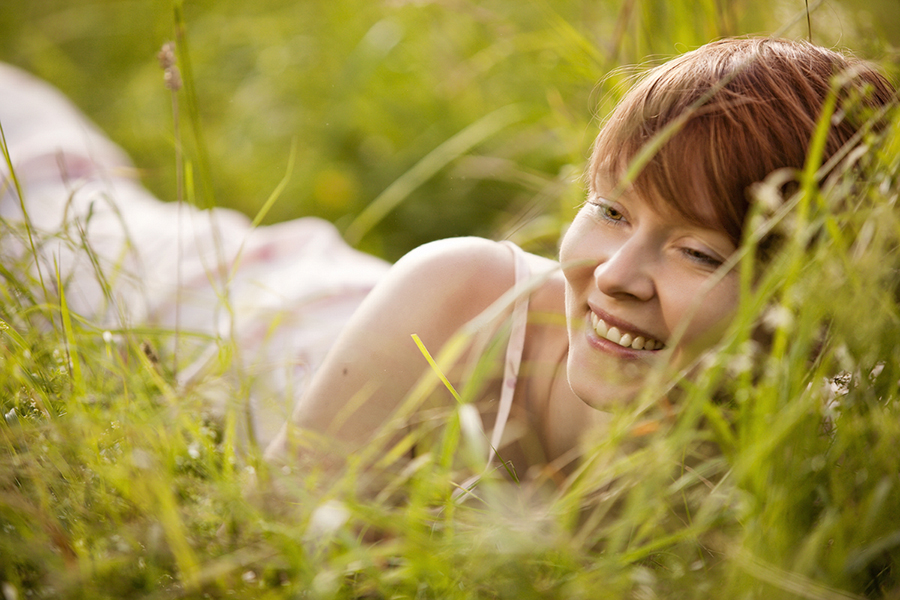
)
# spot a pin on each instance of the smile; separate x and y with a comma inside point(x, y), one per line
point(624, 339)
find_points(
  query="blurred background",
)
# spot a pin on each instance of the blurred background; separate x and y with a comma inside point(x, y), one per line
point(496, 101)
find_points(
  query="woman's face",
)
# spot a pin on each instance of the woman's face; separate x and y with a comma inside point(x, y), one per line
point(634, 274)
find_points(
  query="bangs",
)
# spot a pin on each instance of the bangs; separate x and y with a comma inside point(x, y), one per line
point(688, 174)
point(740, 110)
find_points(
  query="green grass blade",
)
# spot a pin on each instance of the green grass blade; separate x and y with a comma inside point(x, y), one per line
point(426, 168)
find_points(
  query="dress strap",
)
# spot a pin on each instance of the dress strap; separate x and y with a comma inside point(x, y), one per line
point(514, 348)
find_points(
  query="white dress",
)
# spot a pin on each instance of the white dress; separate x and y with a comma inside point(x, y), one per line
point(281, 292)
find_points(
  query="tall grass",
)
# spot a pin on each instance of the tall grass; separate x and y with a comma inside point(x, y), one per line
point(368, 89)
point(772, 474)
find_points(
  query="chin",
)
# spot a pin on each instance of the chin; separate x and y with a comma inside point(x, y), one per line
point(604, 392)
point(609, 400)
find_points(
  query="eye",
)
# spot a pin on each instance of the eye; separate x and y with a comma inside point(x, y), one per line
point(607, 211)
point(611, 213)
point(702, 257)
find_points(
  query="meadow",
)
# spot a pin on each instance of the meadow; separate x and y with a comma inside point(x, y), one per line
point(407, 121)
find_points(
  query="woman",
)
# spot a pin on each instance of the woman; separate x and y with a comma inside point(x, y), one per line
point(642, 281)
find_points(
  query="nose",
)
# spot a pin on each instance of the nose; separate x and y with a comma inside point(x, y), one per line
point(626, 273)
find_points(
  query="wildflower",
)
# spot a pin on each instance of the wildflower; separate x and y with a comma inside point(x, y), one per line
point(743, 361)
point(172, 79)
point(778, 317)
point(171, 75)
point(9, 591)
point(328, 518)
point(142, 459)
point(194, 450)
point(166, 56)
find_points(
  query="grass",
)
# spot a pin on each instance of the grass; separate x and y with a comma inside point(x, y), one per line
point(776, 478)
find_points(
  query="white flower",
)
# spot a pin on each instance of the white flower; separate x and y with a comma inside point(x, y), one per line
point(328, 518)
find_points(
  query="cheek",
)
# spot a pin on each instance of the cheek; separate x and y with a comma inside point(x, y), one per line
point(572, 255)
point(709, 315)
point(584, 245)
point(569, 243)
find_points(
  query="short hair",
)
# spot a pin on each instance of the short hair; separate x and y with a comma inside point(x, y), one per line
point(765, 100)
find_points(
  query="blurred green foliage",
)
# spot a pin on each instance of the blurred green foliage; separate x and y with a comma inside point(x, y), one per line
point(115, 484)
point(367, 88)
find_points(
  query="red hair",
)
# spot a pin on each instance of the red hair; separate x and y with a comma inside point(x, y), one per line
point(749, 106)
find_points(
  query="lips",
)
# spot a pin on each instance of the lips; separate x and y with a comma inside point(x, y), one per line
point(622, 337)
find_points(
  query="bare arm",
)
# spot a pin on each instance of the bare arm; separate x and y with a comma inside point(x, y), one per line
point(431, 292)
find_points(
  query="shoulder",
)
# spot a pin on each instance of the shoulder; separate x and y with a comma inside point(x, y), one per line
point(476, 270)
point(462, 255)
point(442, 285)
point(459, 254)
point(476, 264)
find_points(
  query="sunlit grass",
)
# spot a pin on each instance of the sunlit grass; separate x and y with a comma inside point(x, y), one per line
point(366, 90)
point(772, 473)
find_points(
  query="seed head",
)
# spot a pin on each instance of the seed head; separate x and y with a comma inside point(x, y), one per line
point(172, 78)
point(171, 75)
point(166, 55)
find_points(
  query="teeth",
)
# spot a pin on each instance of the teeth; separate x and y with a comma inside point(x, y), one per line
point(599, 325)
point(626, 340)
point(613, 335)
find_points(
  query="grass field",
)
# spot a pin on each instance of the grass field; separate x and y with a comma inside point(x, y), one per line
point(779, 478)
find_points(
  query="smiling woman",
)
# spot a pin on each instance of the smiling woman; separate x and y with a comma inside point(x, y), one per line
point(744, 452)
point(650, 238)
point(644, 281)
point(634, 275)
point(543, 349)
